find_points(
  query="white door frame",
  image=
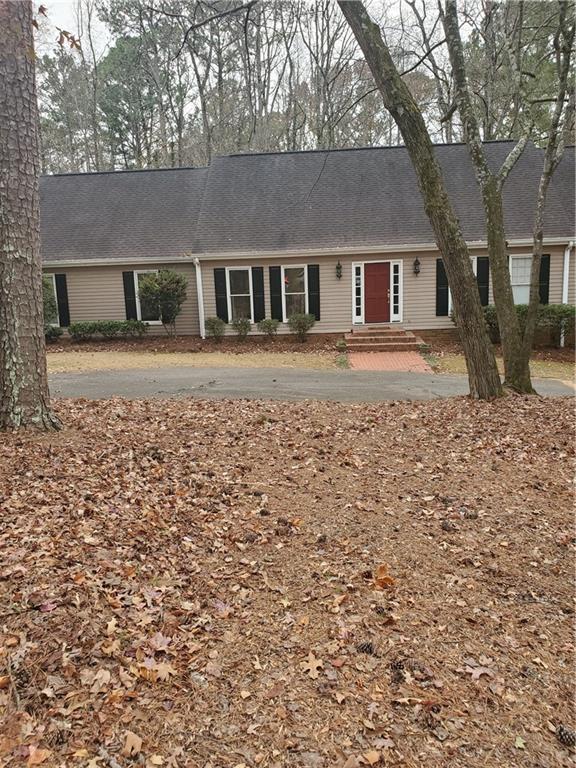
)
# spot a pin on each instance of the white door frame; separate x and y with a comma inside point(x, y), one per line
point(395, 317)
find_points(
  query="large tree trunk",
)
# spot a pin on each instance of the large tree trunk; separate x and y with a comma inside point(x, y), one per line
point(24, 398)
point(483, 375)
point(516, 363)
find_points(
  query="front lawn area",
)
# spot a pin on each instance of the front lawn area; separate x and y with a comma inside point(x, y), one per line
point(193, 583)
point(78, 360)
point(547, 369)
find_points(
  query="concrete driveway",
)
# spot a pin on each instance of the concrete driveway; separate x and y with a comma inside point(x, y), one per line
point(270, 383)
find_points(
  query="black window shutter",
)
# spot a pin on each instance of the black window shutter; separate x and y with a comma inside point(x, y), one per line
point(258, 293)
point(276, 293)
point(62, 300)
point(314, 290)
point(441, 290)
point(545, 278)
point(483, 278)
point(221, 296)
point(130, 296)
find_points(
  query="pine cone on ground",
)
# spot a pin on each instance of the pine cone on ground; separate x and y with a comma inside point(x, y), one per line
point(566, 736)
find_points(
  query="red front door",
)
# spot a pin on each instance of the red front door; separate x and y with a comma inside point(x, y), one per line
point(377, 292)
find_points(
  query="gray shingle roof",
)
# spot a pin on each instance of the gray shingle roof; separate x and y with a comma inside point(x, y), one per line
point(285, 201)
point(122, 215)
point(363, 197)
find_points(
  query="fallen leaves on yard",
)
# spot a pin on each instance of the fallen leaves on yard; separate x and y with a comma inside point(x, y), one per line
point(132, 744)
point(269, 585)
point(382, 579)
point(312, 666)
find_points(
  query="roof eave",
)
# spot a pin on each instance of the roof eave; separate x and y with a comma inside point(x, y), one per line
point(288, 254)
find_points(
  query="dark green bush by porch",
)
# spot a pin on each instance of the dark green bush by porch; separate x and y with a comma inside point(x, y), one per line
point(107, 329)
point(300, 324)
point(554, 318)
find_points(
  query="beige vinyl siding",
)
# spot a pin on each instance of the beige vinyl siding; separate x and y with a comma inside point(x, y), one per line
point(97, 293)
point(336, 295)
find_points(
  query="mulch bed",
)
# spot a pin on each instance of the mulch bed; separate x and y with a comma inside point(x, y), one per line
point(234, 584)
point(441, 347)
point(281, 343)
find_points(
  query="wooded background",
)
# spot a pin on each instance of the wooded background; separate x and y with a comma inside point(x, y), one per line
point(151, 90)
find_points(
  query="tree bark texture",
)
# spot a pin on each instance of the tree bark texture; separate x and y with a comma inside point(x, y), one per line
point(483, 377)
point(24, 397)
point(516, 363)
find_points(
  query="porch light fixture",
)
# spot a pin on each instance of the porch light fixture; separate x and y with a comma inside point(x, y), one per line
point(339, 271)
point(416, 266)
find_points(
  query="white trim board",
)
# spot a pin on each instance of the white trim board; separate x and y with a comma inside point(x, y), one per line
point(394, 317)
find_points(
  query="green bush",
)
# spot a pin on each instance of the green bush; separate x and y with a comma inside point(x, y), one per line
point(242, 326)
point(83, 331)
point(558, 318)
point(215, 327)
point(554, 317)
point(301, 324)
point(52, 332)
point(108, 329)
point(166, 290)
point(269, 326)
point(133, 329)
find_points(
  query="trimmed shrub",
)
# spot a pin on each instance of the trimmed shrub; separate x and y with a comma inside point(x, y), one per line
point(269, 326)
point(133, 329)
point(300, 324)
point(108, 329)
point(166, 290)
point(83, 331)
point(557, 318)
point(215, 327)
point(242, 326)
point(52, 332)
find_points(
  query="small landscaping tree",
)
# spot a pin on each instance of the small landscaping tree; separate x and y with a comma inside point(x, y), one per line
point(166, 290)
point(300, 324)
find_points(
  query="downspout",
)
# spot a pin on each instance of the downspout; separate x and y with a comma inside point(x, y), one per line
point(200, 295)
point(565, 280)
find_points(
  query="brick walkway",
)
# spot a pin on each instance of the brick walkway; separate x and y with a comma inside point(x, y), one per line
point(388, 361)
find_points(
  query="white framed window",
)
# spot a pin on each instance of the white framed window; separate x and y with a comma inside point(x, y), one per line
point(294, 290)
point(520, 271)
point(149, 314)
point(51, 279)
point(239, 293)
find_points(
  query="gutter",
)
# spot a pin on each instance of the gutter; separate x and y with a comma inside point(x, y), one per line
point(200, 296)
point(302, 253)
point(565, 281)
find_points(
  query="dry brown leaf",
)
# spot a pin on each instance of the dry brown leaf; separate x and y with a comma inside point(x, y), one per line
point(312, 666)
point(382, 579)
point(36, 756)
point(132, 744)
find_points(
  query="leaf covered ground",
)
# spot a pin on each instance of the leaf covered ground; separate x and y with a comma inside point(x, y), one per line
point(239, 584)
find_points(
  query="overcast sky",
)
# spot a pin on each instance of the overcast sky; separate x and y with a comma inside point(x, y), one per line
point(62, 14)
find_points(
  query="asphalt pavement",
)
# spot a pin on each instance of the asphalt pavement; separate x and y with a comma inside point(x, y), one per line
point(270, 383)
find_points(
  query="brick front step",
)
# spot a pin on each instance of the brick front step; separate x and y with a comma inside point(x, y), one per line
point(379, 332)
point(383, 346)
point(392, 338)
